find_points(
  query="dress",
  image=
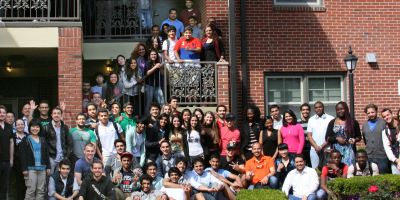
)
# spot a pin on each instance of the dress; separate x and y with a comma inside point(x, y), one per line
point(347, 149)
point(270, 142)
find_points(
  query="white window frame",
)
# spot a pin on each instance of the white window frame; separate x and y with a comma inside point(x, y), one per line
point(319, 3)
point(285, 103)
point(342, 85)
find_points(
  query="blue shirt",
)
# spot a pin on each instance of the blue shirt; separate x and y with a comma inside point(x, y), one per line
point(84, 168)
point(221, 172)
point(37, 153)
point(59, 156)
point(372, 124)
point(178, 25)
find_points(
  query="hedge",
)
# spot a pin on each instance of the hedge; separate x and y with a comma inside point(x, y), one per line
point(267, 194)
point(388, 187)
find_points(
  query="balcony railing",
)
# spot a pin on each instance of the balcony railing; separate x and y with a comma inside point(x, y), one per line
point(40, 10)
point(116, 19)
point(194, 83)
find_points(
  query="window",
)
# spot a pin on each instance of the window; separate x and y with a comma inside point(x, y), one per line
point(289, 92)
point(298, 3)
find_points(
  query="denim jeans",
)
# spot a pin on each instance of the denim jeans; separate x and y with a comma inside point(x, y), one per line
point(272, 182)
point(4, 178)
point(207, 195)
point(395, 169)
point(322, 195)
point(147, 22)
point(152, 93)
point(311, 197)
point(383, 164)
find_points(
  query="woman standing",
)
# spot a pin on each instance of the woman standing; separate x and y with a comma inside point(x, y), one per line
point(17, 183)
point(209, 131)
point(200, 115)
point(176, 135)
point(292, 133)
point(192, 145)
point(35, 161)
point(131, 78)
point(270, 138)
point(119, 67)
point(112, 89)
point(344, 132)
point(211, 46)
point(164, 33)
point(186, 113)
point(153, 81)
point(250, 133)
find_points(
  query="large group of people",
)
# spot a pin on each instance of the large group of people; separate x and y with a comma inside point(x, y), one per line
point(188, 155)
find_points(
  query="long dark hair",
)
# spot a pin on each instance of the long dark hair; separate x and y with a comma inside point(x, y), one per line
point(180, 129)
point(198, 109)
point(183, 111)
point(291, 113)
point(159, 48)
point(349, 120)
point(111, 86)
point(214, 33)
point(129, 72)
point(256, 110)
point(197, 127)
point(118, 67)
point(167, 125)
point(157, 59)
point(163, 35)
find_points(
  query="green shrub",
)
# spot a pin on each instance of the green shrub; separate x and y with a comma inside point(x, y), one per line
point(261, 194)
point(387, 184)
point(361, 148)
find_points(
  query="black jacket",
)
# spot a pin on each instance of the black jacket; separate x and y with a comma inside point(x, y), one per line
point(27, 157)
point(257, 127)
point(51, 137)
point(153, 136)
point(104, 188)
point(330, 134)
point(59, 184)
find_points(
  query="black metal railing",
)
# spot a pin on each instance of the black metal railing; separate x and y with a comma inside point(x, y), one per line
point(40, 10)
point(193, 82)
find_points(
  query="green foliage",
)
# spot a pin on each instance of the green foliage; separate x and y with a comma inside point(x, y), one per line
point(267, 194)
point(388, 184)
point(359, 148)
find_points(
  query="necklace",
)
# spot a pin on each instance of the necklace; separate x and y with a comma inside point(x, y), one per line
point(290, 129)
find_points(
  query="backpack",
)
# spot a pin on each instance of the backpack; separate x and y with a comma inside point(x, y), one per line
point(96, 131)
point(355, 169)
point(160, 162)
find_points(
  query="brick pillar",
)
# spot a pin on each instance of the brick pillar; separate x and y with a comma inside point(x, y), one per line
point(223, 86)
point(70, 72)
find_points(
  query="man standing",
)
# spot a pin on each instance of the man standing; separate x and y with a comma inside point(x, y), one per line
point(173, 102)
point(92, 122)
point(129, 120)
point(305, 116)
point(303, 180)
point(372, 135)
point(173, 21)
point(107, 132)
point(7, 152)
point(97, 186)
point(221, 112)
point(10, 119)
point(169, 45)
point(85, 94)
point(188, 48)
point(275, 112)
point(189, 12)
point(196, 30)
point(58, 139)
point(26, 110)
point(44, 112)
point(80, 137)
point(316, 131)
point(84, 165)
point(154, 110)
point(166, 160)
point(260, 169)
point(99, 83)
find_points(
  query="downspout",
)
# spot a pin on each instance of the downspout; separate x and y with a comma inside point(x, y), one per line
point(243, 51)
point(232, 59)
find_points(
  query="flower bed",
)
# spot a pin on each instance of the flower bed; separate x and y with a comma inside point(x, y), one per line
point(267, 194)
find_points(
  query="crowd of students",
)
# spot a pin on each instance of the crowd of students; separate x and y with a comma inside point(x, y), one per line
point(184, 155)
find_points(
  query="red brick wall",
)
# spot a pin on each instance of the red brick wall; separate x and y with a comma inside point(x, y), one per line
point(318, 41)
point(70, 72)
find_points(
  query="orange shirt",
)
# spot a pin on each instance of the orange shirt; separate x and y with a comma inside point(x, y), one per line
point(261, 169)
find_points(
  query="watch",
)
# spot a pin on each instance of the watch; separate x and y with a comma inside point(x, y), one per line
point(267, 176)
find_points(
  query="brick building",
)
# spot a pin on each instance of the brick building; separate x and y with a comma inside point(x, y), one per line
point(294, 52)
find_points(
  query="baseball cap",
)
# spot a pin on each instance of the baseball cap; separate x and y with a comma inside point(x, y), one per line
point(126, 154)
point(231, 145)
point(229, 116)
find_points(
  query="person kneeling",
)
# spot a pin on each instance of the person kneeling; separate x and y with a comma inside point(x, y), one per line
point(329, 172)
point(61, 182)
point(362, 166)
point(203, 181)
point(260, 170)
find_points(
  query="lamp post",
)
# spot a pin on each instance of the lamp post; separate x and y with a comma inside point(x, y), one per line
point(351, 61)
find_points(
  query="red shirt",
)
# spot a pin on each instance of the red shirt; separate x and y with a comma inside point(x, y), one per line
point(185, 14)
point(85, 101)
point(230, 135)
point(331, 174)
point(261, 169)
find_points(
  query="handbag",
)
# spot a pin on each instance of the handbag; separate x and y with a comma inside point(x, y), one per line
point(259, 186)
point(324, 157)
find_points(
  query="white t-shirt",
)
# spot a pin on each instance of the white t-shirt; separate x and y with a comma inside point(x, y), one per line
point(107, 137)
point(136, 149)
point(96, 88)
point(171, 53)
point(278, 125)
point(194, 143)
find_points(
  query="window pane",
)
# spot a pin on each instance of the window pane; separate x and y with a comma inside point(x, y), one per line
point(316, 95)
point(284, 90)
point(332, 83)
point(316, 83)
point(275, 84)
point(292, 83)
point(332, 95)
point(293, 96)
point(275, 96)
